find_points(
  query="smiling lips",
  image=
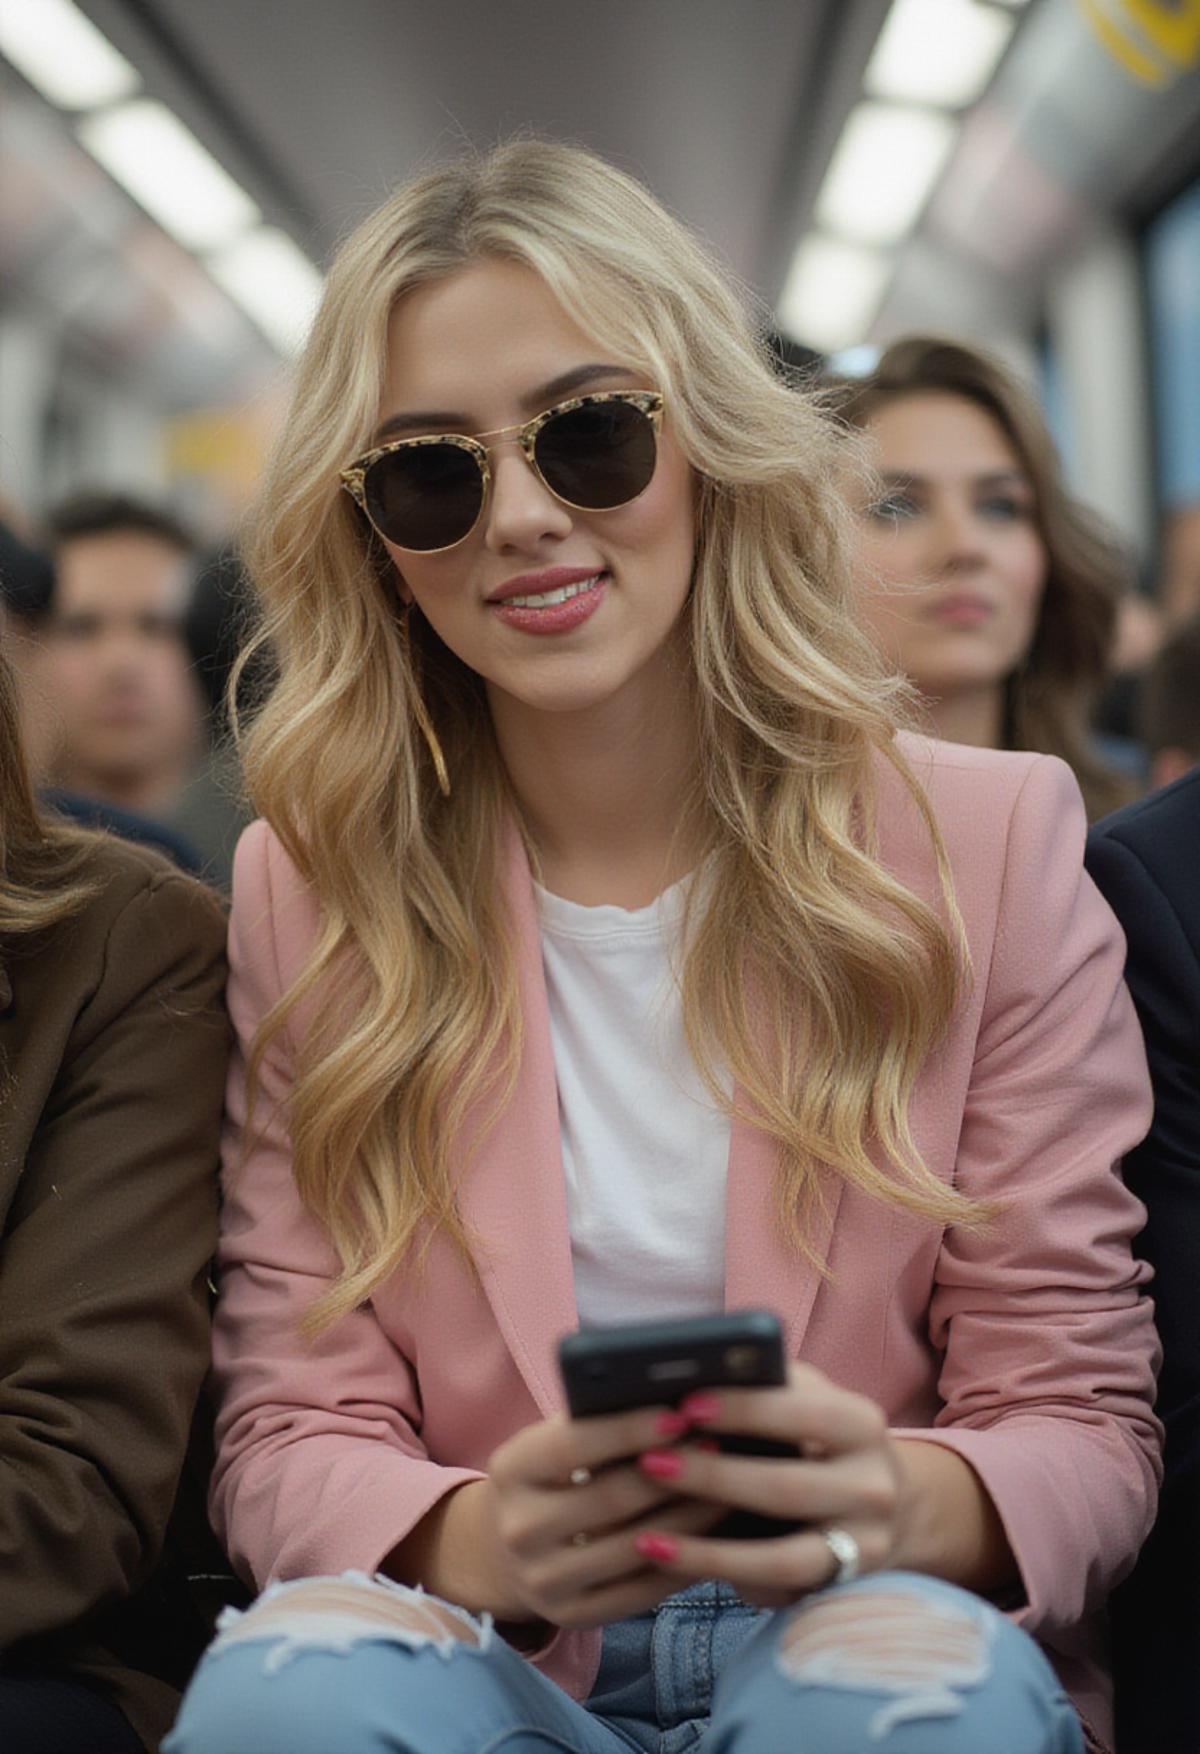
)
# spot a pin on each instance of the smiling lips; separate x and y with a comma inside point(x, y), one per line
point(962, 610)
point(553, 601)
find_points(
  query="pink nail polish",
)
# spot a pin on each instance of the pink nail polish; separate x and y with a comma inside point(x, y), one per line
point(700, 1406)
point(661, 1464)
point(670, 1424)
point(661, 1548)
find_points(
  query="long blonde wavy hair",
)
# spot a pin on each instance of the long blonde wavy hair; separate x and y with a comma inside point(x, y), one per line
point(856, 976)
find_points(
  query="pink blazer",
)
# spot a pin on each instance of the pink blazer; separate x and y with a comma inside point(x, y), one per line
point(1030, 1350)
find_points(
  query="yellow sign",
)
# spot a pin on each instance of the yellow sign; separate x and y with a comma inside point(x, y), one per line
point(1155, 40)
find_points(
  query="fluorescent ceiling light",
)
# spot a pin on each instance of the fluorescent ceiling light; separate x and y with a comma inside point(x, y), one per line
point(832, 292)
point(148, 150)
point(882, 171)
point(855, 362)
point(274, 282)
point(63, 54)
point(937, 51)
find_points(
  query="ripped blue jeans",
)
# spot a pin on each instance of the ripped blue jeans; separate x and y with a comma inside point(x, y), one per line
point(892, 1664)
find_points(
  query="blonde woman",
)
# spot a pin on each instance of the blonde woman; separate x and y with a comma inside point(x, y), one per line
point(604, 952)
point(983, 580)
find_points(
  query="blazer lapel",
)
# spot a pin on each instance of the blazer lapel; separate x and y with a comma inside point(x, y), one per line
point(513, 1191)
point(761, 1270)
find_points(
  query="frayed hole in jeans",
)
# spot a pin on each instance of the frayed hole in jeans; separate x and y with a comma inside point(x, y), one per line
point(889, 1641)
point(334, 1614)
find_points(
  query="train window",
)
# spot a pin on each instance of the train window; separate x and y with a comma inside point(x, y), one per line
point(1172, 244)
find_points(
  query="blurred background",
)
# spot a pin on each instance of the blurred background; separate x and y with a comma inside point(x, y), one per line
point(1022, 173)
point(174, 176)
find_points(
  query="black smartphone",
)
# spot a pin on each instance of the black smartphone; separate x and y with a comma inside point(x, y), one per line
point(648, 1364)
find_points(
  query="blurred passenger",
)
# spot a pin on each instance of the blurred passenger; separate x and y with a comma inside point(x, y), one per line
point(113, 1042)
point(26, 592)
point(117, 666)
point(799, 364)
point(1145, 860)
point(1171, 706)
point(26, 586)
point(1117, 716)
point(213, 810)
point(1181, 563)
point(982, 579)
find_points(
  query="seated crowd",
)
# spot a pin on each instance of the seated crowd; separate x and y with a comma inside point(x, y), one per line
point(802, 661)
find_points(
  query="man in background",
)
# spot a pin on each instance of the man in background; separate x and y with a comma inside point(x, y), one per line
point(116, 665)
point(1145, 860)
point(1171, 705)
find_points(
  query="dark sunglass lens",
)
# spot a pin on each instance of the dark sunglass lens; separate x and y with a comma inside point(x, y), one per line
point(598, 456)
point(425, 496)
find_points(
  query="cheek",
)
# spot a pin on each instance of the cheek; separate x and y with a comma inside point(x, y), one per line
point(1025, 576)
point(664, 541)
point(429, 583)
point(881, 545)
point(663, 520)
point(888, 622)
point(73, 671)
point(168, 673)
point(888, 578)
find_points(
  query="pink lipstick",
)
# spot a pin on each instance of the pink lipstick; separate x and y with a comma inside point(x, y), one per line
point(554, 601)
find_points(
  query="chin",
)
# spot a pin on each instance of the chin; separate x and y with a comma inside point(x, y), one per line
point(945, 684)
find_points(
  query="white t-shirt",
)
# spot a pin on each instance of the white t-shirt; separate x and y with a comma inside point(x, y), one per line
point(645, 1151)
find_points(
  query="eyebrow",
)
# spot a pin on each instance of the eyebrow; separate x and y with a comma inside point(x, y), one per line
point(427, 420)
point(993, 478)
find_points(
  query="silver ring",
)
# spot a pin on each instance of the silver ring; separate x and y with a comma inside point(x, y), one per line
point(846, 1553)
point(580, 1476)
point(581, 1538)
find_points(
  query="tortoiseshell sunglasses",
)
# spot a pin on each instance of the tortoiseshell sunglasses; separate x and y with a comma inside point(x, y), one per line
point(594, 453)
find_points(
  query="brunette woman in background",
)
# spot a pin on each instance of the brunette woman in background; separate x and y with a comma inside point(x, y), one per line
point(981, 578)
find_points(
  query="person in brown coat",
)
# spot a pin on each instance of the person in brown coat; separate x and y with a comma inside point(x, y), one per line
point(113, 1045)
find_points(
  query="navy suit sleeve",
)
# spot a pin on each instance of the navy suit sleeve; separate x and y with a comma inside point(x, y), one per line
point(1156, 1613)
point(1163, 973)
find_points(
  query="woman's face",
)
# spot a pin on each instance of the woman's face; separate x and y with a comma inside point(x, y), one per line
point(484, 350)
point(951, 564)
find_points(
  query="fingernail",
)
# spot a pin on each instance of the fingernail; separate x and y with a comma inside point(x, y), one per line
point(658, 1547)
point(670, 1424)
point(661, 1464)
point(700, 1406)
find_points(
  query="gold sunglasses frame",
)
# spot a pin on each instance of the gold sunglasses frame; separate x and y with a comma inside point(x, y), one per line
point(353, 478)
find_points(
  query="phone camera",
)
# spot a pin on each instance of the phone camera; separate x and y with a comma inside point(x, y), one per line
point(741, 1360)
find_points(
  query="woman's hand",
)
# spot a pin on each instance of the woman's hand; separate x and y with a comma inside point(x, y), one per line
point(563, 1506)
point(907, 1505)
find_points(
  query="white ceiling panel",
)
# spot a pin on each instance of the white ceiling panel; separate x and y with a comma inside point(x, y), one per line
point(321, 108)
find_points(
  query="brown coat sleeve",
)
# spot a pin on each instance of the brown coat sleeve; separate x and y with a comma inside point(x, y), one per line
point(103, 1313)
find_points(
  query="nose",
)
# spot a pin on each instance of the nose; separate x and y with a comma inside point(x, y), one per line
point(521, 512)
point(957, 540)
point(119, 652)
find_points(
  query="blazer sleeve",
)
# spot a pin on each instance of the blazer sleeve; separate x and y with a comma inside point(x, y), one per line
point(103, 1287)
point(320, 1464)
point(1047, 1340)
